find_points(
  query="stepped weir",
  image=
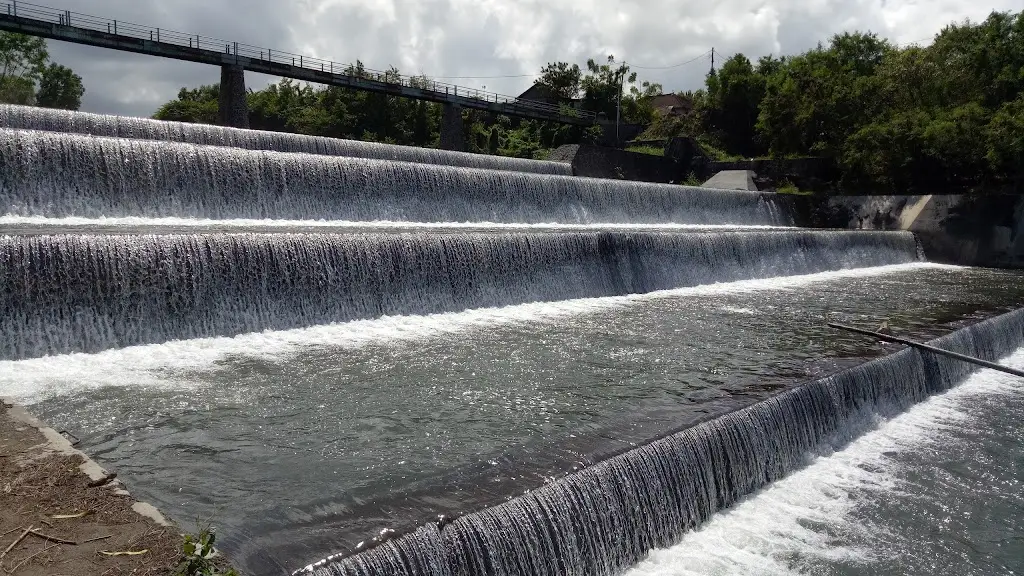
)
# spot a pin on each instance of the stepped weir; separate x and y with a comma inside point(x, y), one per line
point(569, 399)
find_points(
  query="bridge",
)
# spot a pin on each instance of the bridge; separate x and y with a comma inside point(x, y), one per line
point(235, 58)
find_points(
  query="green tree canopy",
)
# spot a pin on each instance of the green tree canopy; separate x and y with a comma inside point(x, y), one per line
point(60, 87)
point(28, 77)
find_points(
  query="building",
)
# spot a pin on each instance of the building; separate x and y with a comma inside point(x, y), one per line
point(672, 104)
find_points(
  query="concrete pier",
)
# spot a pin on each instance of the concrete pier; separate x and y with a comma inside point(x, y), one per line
point(452, 136)
point(233, 110)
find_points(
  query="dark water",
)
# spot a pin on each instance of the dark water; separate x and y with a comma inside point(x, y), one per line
point(301, 444)
point(59, 175)
point(64, 121)
point(86, 293)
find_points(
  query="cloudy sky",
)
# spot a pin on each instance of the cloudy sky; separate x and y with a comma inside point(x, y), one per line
point(487, 38)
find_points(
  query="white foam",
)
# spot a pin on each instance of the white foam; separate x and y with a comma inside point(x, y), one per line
point(763, 534)
point(29, 381)
point(368, 226)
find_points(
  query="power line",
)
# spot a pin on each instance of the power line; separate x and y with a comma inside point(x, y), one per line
point(485, 77)
point(690, 61)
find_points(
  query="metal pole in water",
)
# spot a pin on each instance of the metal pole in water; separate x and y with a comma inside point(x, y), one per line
point(933, 349)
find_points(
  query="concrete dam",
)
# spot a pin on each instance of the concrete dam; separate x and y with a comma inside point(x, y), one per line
point(361, 359)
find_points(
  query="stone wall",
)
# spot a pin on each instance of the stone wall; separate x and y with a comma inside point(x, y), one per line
point(975, 230)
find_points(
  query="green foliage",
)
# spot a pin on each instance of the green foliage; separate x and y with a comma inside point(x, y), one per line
point(731, 105)
point(198, 556)
point(947, 116)
point(787, 187)
point(652, 150)
point(22, 55)
point(562, 78)
point(60, 87)
point(24, 64)
point(17, 90)
point(692, 180)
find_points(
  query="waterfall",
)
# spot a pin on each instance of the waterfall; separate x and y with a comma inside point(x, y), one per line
point(59, 175)
point(33, 118)
point(605, 518)
point(85, 293)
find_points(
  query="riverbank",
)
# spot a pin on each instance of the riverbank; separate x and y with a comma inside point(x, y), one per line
point(60, 513)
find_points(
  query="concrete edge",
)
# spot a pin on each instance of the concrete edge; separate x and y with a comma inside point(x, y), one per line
point(55, 443)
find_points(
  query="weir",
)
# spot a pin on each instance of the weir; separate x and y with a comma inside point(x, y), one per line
point(607, 517)
point(85, 293)
point(58, 175)
point(68, 122)
point(110, 259)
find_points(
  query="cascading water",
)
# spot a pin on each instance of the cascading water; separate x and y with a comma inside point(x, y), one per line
point(92, 292)
point(606, 518)
point(57, 175)
point(74, 293)
point(68, 122)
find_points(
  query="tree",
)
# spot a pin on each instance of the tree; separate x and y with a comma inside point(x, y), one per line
point(815, 100)
point(732, 103)
point(22, 56)
point(603, 85)
point(22, 61)
point(23, 65)
point(1005, 140)
point(59, 87)
point(562, 78)
point(197, 105)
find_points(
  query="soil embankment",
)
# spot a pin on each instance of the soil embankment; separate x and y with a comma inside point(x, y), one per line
point(62, 514)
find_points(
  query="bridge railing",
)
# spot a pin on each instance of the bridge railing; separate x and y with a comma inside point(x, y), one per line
point(256, 53)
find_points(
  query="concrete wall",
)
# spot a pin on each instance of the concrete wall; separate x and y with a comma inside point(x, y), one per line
point(233, 109)
point(452, 135)
point(975, 230)
point(605, 162)
point(819, 174)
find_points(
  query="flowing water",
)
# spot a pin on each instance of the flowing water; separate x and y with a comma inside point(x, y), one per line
point(528, 391)
point(417, 367)
point(58, 175)
point(64, 121)
point(84, 293)
point(936, 490)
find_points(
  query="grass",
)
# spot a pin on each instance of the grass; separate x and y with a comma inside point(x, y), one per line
point(787, 187)
point(652, 150)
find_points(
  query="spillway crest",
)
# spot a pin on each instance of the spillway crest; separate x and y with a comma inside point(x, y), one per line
point(68, 122)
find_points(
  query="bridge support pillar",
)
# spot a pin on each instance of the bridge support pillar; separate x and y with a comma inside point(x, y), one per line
point(233, 109)
point(452, 136)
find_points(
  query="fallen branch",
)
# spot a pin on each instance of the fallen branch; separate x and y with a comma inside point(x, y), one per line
point(52, 538)
point(96, 538)
point(15, 543)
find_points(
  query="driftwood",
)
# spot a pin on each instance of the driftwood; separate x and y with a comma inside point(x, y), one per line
point(15, 543)
point(933, 349)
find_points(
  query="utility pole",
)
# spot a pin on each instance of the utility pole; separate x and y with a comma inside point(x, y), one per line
point(618, 104)
point(712, 58)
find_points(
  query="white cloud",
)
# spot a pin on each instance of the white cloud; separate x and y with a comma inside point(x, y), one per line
point(488, 37)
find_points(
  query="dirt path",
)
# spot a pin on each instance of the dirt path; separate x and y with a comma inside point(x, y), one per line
point(41, 480)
